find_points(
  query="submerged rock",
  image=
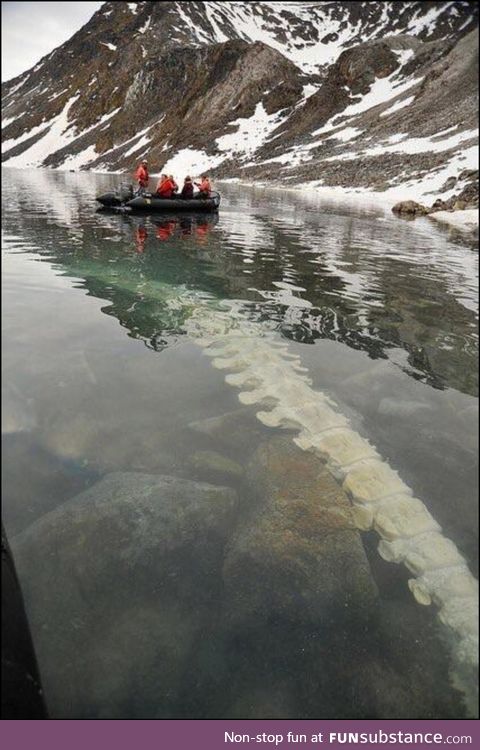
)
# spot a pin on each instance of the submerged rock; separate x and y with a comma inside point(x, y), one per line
point(297, 555)
point(237, 430)
point(211, 462)
point(132, 542)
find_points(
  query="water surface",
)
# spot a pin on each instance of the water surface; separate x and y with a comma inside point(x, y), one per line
point(100, 376)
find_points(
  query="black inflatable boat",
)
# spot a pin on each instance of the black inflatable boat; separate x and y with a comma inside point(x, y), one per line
point(125, 199)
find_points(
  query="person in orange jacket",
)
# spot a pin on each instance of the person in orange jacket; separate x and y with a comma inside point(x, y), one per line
point(164, 187)
point(142, 176)
point(204, 187)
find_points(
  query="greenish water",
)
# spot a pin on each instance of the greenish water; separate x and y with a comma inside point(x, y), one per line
point(101, 376)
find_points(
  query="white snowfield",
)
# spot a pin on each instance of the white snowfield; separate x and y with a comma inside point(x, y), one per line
point(466, 220)
point(190, 161)
point(306, 53)
point(251, 133)
point(58, 133)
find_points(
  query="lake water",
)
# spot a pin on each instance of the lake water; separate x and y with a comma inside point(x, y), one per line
point(211, 610)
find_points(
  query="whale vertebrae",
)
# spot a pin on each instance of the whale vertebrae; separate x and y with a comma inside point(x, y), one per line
point(271, 376)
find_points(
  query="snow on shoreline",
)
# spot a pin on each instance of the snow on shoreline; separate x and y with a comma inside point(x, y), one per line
point(466, 220)
point(463, 219)
point(193, 161)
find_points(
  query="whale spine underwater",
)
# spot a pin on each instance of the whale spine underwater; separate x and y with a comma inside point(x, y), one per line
point(272, 377)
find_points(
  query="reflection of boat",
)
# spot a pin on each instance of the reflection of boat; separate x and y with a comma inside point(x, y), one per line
point(196, 225)
point(187, 221)
point(149, 203)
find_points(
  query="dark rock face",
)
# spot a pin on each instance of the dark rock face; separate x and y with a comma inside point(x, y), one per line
point(95, 639)
point(361, 65)
point(168, 76)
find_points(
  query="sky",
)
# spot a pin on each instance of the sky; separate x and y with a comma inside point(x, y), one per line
point(32, 30)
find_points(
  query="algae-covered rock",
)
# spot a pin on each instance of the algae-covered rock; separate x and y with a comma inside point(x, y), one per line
point(237, 430)
point(297, 555)
point(130, 542)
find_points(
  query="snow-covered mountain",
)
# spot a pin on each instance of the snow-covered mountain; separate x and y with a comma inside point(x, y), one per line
point(352, 94)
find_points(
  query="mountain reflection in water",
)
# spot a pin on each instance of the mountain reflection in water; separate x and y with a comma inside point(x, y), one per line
point(374, 283)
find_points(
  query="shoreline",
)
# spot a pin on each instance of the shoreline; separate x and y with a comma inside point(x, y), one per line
point(465, 220)
point(462, 219)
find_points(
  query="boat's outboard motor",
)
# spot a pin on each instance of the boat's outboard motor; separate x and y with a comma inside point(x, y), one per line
point(125, 192)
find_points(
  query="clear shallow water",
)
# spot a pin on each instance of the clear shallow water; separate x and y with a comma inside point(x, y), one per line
point(100, 376)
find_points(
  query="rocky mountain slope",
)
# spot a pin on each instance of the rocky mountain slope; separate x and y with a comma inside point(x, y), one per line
point(378, 95)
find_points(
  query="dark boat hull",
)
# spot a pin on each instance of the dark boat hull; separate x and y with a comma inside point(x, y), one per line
point(152, 204)
point(110, 200)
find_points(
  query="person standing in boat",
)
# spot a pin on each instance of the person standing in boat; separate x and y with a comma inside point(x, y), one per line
point(187, 189)
point(204, 187)
point(142, 176)
point(164, 187)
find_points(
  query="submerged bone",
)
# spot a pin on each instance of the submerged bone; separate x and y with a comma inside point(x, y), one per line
point(373, 480)
point(314, 417)
point(363, 516)
point(403, 516)
point(409, 534)
point(297, 392)
point(254, 376)
point(459, 615)
point(444, 584)
point(421, 553)
point(339, 448)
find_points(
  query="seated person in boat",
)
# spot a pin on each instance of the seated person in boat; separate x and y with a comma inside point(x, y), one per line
point(164, 187)
point(204, 187)
point(142, 176)
point(187, 189)
point(175, 186)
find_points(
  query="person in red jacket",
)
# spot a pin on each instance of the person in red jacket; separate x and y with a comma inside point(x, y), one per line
point(204, 187)
point(142, 176)
point(164, 187)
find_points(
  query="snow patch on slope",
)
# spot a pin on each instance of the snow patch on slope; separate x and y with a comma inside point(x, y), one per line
point(145, 26)
point(381, 91)
point(398, 105)
point(59, 133)
point(192, 162)
point(251, 132)
point(402, 144)
point(144, 140)
point(53, 140)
